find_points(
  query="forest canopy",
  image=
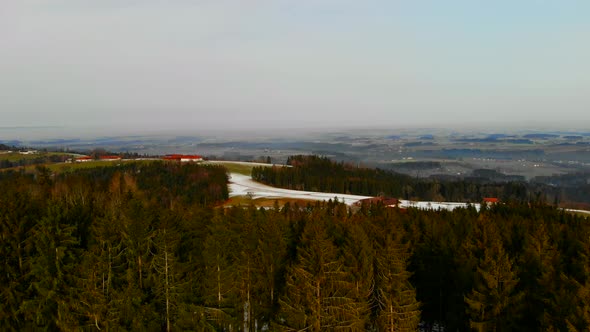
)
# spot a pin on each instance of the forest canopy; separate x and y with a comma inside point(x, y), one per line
point(148, 247)
point(317, 173)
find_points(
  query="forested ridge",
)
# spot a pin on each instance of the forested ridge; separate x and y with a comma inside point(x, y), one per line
point(317, 173)
point(144, 247)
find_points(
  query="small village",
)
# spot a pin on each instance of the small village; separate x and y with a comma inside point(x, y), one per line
point(169, 157)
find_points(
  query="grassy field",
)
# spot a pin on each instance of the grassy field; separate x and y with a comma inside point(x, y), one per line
point(69, 167)
point(240, 168)
point(15, 156)
point(232, 167)
point(264, 202)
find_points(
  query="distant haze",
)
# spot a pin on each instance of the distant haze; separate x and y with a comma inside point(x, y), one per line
point(220, 64)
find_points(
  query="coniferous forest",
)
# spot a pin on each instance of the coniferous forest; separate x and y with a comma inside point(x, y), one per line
point(148, 247)
point(316, 173)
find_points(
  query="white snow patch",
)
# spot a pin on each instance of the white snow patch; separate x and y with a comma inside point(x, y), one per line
point(578, 211)
point(425, 205)
point(243, 185)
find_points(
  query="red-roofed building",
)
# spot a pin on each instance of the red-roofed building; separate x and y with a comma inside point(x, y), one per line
point(172, 157)
point(109, 158)
point(491, 200)
point(191, 158)
point(83, 159)
point(182, 157)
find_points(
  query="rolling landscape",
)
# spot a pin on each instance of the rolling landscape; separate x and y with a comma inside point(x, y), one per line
point(98, 239)
point(294, 166)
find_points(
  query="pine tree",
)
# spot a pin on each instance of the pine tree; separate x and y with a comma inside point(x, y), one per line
point(493, 303)
point(137, 231)
point(99, 276)
point(166, 270)
point(52, 261)
point(577, 286)
point(271, 257)
point(246, 271)
point(540, 274)
point(17, 214)
point(358, 255)
point(219, 287)
point(318, 290)
point(398, 308)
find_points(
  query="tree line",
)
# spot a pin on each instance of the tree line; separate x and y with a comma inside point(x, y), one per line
point(316, 173)
point(44, 159)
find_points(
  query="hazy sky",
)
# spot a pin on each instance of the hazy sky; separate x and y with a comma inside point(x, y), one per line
point(294, 63)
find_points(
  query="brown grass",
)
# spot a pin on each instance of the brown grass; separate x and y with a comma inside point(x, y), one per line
point(264, 202)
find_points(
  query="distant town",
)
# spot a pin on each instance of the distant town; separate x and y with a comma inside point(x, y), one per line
point(172, 157)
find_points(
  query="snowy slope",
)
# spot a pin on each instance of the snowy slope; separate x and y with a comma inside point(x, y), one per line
point(241, 185)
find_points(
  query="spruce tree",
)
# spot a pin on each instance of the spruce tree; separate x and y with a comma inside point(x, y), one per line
point(396, 298)
point(166, 269)
point(99, 278)
point(493, 304)
point(219, 287)
point(53, 258)
point(318, 290)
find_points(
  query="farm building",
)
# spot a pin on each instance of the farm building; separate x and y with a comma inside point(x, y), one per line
point(109, 158)
point(183, 158)
point(491, 200)
point(83, 159)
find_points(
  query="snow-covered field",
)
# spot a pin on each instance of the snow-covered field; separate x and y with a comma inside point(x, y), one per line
point(435, 205)
point(243, 185)
point(578, 211)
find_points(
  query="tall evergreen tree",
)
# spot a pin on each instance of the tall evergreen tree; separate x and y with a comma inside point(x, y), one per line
point(219, 288)
point(166, 269)
point(494, 303)
point(398, 308)
point(53, 258)
point(540, 271)
point(18, 212)
point(318, 291)
point(358, 255)
point(99, 277)
point(271, 258)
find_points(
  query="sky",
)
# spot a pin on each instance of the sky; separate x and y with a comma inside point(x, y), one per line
point(204, 64)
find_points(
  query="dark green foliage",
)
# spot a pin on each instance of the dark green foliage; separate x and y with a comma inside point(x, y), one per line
point(142, 247)
point(321, 174)
point(40, 160)
point(320, 292)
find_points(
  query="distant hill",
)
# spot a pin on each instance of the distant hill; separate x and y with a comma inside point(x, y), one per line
point(540, 136)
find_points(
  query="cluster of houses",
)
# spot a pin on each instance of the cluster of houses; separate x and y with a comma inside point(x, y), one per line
point(20, 152)
point(172, 157)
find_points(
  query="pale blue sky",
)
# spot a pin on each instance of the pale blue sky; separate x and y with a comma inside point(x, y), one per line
point(306, 63)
